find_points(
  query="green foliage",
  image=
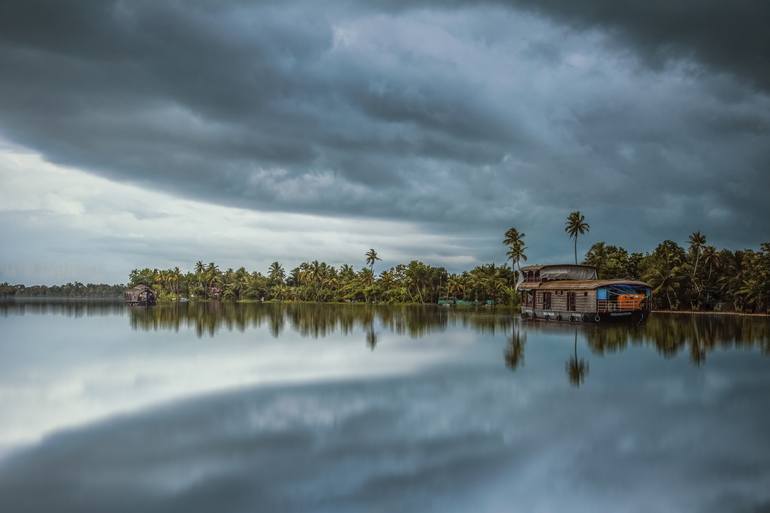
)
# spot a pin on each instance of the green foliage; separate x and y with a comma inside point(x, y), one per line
point(317, 281)
point(697, 278)
point(69, 290)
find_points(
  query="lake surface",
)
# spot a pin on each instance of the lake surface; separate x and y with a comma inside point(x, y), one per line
point(250, 407)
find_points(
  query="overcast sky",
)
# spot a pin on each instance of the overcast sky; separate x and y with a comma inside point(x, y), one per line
point(154, 134)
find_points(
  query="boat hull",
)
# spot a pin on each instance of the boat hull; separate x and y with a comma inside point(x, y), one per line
point(593, 317)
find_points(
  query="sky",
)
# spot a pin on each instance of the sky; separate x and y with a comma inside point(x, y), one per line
point(155, 134)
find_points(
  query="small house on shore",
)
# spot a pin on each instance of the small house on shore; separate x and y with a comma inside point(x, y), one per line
point(140, 295)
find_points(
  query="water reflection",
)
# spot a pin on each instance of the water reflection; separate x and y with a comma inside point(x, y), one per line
point(577, 368)
point(316, 320)
point(69, 308)
point(396, 409)
point(669, 334)
point(514, 350)
point(371, 337)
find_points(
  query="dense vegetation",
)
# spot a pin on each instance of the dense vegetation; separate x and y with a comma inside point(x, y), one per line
point(70, 290)
point(415, 282)
point(699, 277)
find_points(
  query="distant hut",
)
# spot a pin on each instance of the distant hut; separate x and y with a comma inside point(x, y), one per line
point(140, 295)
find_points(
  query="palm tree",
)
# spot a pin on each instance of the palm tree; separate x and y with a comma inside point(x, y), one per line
point(276, 273)
point(515, 242)
point(576, 225)
point(200, 277)
point(666, 281)
point(697, 242)
point(371, 258)
point(711, 260)
point(176, 277)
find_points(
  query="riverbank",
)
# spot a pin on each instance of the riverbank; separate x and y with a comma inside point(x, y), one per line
point(697, 312)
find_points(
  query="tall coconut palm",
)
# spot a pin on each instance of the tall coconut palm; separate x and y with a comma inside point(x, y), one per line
point(371, 258)
point(711, 260)
point(576, 225)
point(176, 278)
point(697, 242)
point(516, 248)
point(200, 278)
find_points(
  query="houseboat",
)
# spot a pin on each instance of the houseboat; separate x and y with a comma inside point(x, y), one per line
point(566, 292)
point(140, 295)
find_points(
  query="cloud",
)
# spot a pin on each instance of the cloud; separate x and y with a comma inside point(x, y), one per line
point(729, 36)
point(461, 118)
point(99, 229)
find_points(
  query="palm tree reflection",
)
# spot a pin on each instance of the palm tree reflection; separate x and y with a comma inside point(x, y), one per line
point(371, 337)
point(514, 351)
point(577, 368)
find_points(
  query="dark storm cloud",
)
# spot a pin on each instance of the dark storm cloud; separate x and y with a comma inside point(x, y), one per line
point(731, 36)
point(482, 116)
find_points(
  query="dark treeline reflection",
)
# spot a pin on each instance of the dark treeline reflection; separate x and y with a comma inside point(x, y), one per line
point(670, 334)
point(698, 335)
point(70, 308)
point(318, 320)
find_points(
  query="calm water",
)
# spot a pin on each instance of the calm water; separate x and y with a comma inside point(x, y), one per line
point(247, 408)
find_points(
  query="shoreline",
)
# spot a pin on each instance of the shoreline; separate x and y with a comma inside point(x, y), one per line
point(698, 312)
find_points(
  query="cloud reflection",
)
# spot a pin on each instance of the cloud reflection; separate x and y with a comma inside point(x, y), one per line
point(441, 441)
point(431, 420)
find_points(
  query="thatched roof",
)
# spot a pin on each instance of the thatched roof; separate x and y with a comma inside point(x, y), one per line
point(140, 288)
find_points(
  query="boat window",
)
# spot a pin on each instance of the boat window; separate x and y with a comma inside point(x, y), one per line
point(546, 300)
point(571, 301)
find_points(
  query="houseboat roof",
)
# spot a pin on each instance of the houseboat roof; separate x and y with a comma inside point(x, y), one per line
point(537, 267)
point(558, 272)
point(578, 284)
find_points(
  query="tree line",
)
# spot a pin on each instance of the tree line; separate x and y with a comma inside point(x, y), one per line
point(68, 290)
point(415, 282)
point(696, 277)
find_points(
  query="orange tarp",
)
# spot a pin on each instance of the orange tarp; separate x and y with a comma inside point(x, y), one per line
point(630, 301)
